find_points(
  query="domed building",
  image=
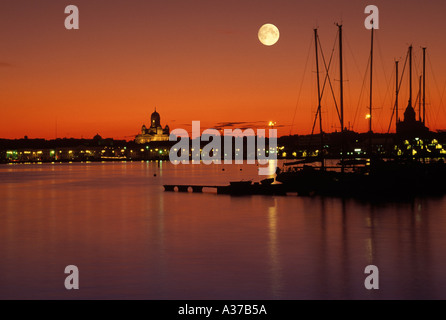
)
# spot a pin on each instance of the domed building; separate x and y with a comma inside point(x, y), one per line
point(410, 127)
point(155, 132)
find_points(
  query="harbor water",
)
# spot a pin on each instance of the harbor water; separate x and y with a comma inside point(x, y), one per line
point(132, 240)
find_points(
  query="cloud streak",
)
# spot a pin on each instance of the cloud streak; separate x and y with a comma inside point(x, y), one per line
point(243, 125)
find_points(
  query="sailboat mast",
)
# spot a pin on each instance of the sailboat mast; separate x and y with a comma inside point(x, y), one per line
point(410, 75)
point(396, 95)
point(424, 86)
point(319, 96)
point(419, 100)
point(341, 79)
point(371, 83)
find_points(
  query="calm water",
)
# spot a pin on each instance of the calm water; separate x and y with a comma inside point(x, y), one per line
point(132, 240)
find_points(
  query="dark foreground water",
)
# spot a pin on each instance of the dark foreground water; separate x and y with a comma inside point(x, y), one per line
point(132, 240)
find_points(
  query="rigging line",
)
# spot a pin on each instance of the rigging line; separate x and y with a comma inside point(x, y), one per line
point(351, 52)
point(301, 85)
point(391, 120)
point(416, 64)
point(391, 117)
point(390, 123)
point(317, 112)
point(429, 111)
point(399, 87)
point(387, 80)
point(442, 95)
point(318, 109)
point(364, 81)
point(388, 88)
point(417, 75)
point(398, 90)
point(393, 109)
point(361, 93)
point(402, 73)
point(383, 101)
point(417, 98)
point(348, 90)
point(327, 69)
point(393, 98)
point(381, 57)
point(327, 75)
point(436, 86)
point(359, 72)
point(314, 124)
point(430, 114)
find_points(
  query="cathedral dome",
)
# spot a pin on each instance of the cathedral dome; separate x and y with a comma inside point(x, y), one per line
point(155, 119)
point(409, 114)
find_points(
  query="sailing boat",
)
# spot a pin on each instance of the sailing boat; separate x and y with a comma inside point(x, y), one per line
point(319, 180)
point(378, 177)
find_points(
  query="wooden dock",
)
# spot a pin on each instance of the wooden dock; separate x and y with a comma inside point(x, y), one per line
point(235, 188)
point(187, 187)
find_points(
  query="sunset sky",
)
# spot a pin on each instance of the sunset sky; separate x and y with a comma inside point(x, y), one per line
point(202, 60)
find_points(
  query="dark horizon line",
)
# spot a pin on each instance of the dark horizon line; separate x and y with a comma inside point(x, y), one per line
point(285, 135)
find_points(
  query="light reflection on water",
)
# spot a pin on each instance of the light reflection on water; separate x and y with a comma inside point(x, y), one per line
point(132, 240)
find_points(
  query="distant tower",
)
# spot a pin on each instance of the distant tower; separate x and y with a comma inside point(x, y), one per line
point(154, 132)
point(409, 114)
point(410, 127)
point(155, 120)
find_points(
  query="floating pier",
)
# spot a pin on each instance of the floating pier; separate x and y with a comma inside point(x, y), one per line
point(187, 187)
point(234, 188)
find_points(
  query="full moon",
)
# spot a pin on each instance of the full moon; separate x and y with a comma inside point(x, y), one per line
point(268, 34)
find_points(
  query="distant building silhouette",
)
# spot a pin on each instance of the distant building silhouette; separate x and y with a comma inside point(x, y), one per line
point(155, 132)
point(410, 127)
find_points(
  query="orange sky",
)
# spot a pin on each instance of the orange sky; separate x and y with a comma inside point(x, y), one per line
point(201, 60)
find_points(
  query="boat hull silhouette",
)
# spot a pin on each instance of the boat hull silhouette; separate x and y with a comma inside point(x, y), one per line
point(382, 178)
